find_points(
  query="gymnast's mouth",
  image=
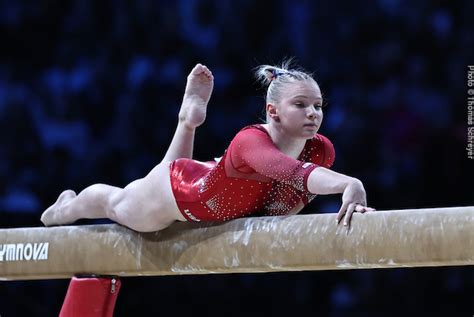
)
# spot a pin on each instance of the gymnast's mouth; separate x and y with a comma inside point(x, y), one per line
point(310, 125)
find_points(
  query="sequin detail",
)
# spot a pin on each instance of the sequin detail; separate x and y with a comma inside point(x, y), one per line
point(252, 176)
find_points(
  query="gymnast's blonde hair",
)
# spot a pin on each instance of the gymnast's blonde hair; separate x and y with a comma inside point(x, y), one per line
point(274, 78)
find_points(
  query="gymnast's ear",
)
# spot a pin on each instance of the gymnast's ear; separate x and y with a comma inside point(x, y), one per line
point(272, 112)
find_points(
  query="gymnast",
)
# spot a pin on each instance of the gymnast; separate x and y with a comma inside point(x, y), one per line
point(274, 168)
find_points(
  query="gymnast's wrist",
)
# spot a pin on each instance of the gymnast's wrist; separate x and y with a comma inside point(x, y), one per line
point(352, 181)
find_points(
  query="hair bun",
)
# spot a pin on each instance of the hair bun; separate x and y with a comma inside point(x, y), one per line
point(269, 74)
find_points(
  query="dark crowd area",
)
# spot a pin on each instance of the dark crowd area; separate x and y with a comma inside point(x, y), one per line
point(90, 91)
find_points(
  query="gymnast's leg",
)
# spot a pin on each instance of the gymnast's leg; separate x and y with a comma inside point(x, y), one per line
point(146, 204)
point(192, 113)
point(91, 203)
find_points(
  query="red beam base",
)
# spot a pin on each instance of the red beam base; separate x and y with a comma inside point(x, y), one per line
point(91, 296)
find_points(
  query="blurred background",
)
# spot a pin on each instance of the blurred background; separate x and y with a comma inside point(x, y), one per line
point(90, 91)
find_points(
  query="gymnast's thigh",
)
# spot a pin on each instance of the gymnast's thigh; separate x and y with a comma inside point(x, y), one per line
point(154, 196)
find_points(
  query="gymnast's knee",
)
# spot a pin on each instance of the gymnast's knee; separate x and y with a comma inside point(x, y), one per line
point(118, 205)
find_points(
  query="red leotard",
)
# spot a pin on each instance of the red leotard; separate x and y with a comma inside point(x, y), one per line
point(253, 176)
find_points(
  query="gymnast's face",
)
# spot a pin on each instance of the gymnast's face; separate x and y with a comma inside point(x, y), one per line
point(298, 112)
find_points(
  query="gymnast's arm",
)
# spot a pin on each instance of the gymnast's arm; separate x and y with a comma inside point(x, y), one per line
point(323, 181)
point(254, 149)
point(330, 182)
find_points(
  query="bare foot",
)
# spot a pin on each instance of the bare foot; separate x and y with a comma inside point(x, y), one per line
point(196, 96)
point(52, 215)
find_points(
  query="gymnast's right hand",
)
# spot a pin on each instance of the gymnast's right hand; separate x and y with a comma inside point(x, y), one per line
point(353, 200)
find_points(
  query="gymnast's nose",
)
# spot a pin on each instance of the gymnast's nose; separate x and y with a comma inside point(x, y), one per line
point(311, 112)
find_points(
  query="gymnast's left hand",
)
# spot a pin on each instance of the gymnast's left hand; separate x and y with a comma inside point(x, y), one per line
point(353, 200)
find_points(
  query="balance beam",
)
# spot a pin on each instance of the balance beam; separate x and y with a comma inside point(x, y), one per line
point(382, 239)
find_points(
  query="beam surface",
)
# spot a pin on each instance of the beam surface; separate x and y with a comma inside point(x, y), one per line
point(382, 239)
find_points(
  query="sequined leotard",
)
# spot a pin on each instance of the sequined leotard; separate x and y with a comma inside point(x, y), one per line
point(253, 176)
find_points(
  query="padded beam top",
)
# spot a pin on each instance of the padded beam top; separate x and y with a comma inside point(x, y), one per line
point(382, 239)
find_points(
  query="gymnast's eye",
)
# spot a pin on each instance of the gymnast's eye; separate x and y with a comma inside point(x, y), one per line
point(300, 104)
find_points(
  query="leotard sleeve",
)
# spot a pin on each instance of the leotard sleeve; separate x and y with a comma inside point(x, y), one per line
point(254, 148)
point(323, 152)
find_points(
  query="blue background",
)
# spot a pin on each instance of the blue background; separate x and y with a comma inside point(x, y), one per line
point(90, 91)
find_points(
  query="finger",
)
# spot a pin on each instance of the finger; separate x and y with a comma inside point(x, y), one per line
point(341, 212)
point(362, 209)
point(350, 211)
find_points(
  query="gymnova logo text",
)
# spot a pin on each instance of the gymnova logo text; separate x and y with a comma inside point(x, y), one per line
point(24, 251)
